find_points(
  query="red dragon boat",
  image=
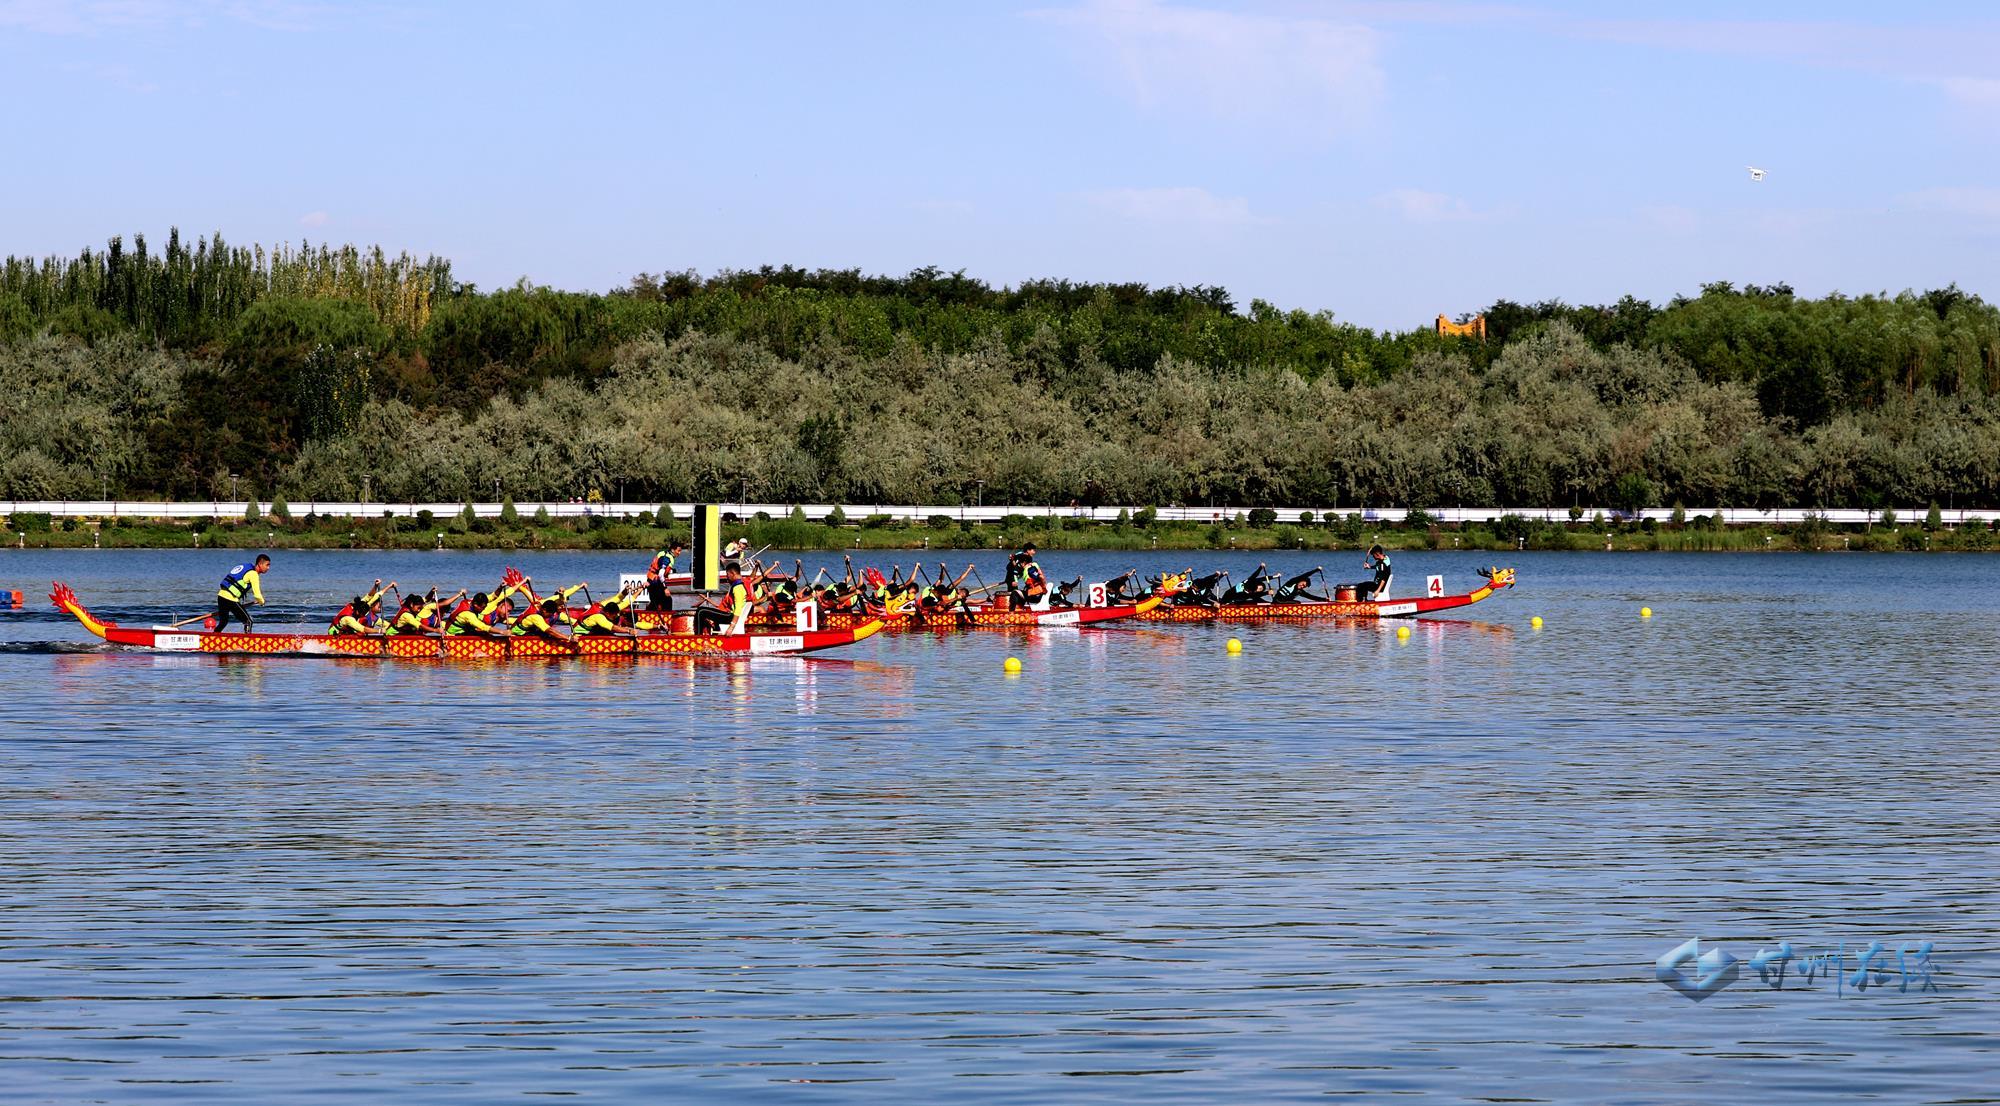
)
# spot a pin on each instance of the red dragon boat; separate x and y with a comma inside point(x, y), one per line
point(462, 647)
point(1310, 609)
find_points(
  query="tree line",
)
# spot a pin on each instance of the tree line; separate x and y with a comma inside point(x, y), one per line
point(305, 369)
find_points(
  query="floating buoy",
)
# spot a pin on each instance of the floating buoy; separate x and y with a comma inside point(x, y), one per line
point(1234, 646)
point(1012, 666)
point(1402, 633)
point(1645, 612)
point(1536, 622)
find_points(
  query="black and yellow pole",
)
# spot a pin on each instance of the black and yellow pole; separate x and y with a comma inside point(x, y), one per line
point(707, 566)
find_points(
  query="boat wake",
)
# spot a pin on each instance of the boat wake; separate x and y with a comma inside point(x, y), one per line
point(45, 648)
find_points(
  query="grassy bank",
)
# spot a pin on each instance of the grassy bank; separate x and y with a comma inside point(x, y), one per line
point(35, 532)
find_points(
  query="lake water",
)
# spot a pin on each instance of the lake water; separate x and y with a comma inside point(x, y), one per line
point(1338, 864)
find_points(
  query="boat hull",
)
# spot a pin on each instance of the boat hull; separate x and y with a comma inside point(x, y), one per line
point(983, 618)
point(463, 647)
point(1315, 610)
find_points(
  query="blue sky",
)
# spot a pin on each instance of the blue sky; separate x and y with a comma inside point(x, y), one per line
point(1385, 161)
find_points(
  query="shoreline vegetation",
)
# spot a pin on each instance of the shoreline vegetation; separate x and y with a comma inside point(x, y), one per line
point(1254, 530)
point(341, 374)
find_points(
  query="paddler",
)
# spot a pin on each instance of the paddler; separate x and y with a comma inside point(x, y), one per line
point(1294, 590)
point(945, 596)
point(538, 622)
point(602, 620)
point(1377, 561)
point(618, 608)
point(1254, 589)
point(836, 595)
point(419, 614)
point(370, 598)
point(358, 617)
point(784, 590)
point(560, 595)
point(1117, 590)
point(486, 615)
point(1201, 591)
point(236, 583)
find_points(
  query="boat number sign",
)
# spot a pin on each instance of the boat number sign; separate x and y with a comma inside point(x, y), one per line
point(805, 617)
point(1434, 586)
point(1097, 595)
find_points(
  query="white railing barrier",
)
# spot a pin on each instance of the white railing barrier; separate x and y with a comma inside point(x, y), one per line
point(442, 513)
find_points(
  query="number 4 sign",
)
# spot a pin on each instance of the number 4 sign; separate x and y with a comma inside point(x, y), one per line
point(1434, 586)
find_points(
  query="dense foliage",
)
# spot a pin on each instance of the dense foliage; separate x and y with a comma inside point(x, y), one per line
point(304, 370)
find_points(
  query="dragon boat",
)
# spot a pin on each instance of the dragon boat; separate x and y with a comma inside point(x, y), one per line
point(979, 616)
point(462, 647)
point(1305, 610)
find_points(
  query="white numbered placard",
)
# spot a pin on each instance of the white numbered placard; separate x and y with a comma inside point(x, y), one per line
point(805, 617)
point(1097, 598)
point(1434, 586)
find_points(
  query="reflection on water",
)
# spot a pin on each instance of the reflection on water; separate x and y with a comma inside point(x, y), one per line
point(1341, 862)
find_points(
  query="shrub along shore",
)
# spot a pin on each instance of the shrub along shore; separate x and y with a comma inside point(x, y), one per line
point(340, 374)
point(1253, 530)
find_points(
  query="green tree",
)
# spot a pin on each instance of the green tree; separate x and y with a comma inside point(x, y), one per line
point(1633, 493)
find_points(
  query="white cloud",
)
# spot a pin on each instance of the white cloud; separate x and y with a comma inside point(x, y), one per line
point(1303, 75)
point(314, 219)
point(1982, 94)
point(1974, 203)
point(1419, 206)
point(1180, 206)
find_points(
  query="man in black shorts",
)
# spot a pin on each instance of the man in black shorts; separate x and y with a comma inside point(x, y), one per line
point(236, 583)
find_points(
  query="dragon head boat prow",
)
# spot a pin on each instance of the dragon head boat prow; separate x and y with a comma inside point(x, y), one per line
point(66, 600)
point(1498, 577)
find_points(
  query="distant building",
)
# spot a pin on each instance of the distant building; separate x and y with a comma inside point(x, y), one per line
point(1474, 329)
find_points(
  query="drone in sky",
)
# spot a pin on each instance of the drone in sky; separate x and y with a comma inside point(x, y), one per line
point(1755, 173)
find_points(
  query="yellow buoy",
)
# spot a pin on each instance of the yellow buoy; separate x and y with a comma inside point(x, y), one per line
point(1645, 612)
point(1012, 666)
point(1402, 633)
point(1234, 646)
point(1536, 622)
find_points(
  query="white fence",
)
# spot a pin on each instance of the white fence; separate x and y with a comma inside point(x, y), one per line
point(855, 512)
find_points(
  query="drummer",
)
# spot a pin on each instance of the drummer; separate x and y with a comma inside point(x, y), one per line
point(1378, 562)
